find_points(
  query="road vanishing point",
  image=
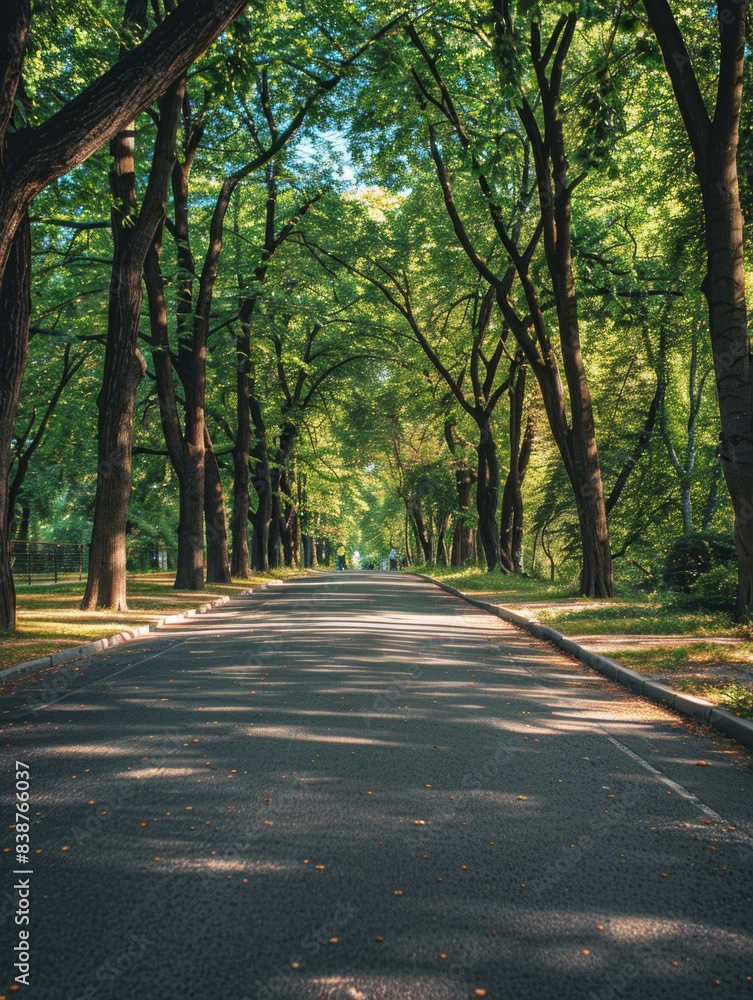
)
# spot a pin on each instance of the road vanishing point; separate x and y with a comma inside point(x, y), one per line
point(356, 786)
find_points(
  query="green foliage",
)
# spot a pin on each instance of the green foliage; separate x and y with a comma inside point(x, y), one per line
point(367, 409)
point(691, 559)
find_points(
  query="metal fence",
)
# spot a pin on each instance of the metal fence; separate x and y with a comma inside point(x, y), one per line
point(37, 561)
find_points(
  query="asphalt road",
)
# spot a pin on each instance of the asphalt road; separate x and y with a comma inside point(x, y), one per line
point(358, 787)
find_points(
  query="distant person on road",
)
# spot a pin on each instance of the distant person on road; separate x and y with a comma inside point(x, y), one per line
point(393, 559)
point(340, 551)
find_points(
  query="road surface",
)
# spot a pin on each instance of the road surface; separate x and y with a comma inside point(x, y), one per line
point(358, 787)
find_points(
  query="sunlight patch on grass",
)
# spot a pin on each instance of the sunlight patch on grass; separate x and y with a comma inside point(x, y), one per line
point(666, 659)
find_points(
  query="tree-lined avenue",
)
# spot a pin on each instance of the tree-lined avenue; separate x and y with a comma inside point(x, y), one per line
point(355, 785)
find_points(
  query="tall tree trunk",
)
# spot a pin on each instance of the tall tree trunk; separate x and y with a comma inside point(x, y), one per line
point(487, 495)
point(526, 448)
point(261, 519)
point(22, 535)
point(714, 141)
point(123, 370)
point(274, 538)
point(15, 310)
point(511, 520)
point(724, 287)
point(596, 578)
point(462, 546)
point(133, 239)
point(419, 528)
point(290, 529)
point(462, 536)
point(308, 551)
point(442, 557)
point(218, 560)
point(190, 364)
point(189, 570)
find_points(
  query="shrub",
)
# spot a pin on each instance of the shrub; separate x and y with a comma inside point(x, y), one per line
point(692, 557)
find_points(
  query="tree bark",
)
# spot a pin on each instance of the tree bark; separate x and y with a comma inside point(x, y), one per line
point(274, 536)
point(123, 370)
point(555, 197)
point(308, 551)
point(463, 543)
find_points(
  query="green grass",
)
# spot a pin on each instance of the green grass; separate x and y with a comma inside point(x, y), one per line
point(666, 660)
point(647, 617)
point(50, 619)
point(512, 586)
point(630, 612)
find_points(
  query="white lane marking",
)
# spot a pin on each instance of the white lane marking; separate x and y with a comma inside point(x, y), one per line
point(655, 772)
point(104, 680)
point(684, 792)
point(739, 836)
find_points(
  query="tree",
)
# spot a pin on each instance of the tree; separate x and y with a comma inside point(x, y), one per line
point(33, 157)
point(541, 122)
point(714, 141)
point(133, 231)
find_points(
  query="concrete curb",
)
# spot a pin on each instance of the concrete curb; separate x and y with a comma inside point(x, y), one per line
point(696, 708)
point(77, 652)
